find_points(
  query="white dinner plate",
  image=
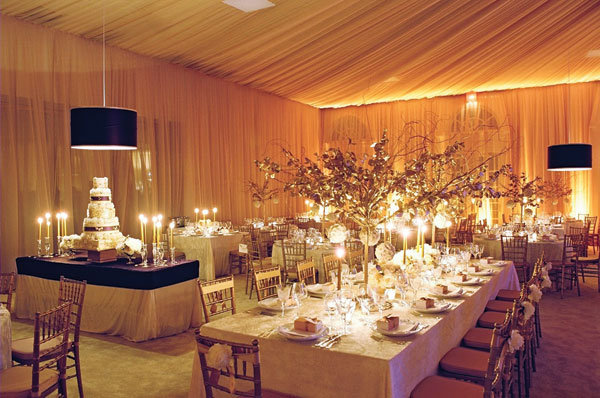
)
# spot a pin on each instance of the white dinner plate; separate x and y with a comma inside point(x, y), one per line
point(484, 272)
point(319, 289)
point(273, 304)
point(457, 292)
point(437, 308)
point(469, 282)
point(289, 332)
point(405, 328)
point(499, 263)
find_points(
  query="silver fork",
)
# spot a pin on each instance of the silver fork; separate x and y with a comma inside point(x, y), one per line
point(325, 341)
point(333, 341)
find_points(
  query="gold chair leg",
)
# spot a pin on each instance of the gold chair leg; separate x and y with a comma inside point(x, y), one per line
point(78, 370)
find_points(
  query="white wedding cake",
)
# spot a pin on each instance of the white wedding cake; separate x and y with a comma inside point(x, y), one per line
point(101, 226)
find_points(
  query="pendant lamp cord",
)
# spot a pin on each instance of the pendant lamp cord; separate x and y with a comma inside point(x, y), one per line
point(568, 115)
point(103, 60)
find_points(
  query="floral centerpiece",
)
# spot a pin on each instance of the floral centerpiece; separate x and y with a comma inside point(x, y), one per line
point(360, 187)
point(129, 247)
point(524, 192)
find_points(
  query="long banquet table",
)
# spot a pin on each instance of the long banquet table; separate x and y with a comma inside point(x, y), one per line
point(212, 252)
point(363, 364)
point(134, 302)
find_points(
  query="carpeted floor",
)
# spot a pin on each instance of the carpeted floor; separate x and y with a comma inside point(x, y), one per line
point(568, 363)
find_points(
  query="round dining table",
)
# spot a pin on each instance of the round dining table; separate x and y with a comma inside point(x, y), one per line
point(552, 250)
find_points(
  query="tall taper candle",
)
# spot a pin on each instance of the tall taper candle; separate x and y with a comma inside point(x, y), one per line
point(171, 227)
point(40, 220)
point(214, 214)
point(196, 210)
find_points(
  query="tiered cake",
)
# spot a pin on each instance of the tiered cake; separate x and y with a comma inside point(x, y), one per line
point(101, 226)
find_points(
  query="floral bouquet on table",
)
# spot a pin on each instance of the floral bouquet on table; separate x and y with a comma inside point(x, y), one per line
point(69, 243)
point(129, 247)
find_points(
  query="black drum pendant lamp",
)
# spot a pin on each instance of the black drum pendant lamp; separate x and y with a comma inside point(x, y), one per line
point(103, 128)
point(570, 157)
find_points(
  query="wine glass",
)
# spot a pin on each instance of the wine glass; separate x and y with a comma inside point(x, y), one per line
point(378, 296)
point(345, 305)
point(283, 292)
point(330, 307)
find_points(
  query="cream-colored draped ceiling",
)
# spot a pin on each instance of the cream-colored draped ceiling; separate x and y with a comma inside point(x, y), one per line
point(331, 53)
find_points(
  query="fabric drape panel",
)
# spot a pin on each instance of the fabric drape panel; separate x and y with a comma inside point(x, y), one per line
point(529, 118)
point(334, 53)
point(197, 137)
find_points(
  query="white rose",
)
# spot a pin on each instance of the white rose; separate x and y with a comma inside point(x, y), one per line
point(516, 341)
point(385, 252)
point(337, 233)
point(372, 239)
point(529, 310)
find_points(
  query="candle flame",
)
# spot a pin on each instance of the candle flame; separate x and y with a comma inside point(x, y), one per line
point(205, 211)
point(214, 209)
point(196, 210)
point(141, 217)
point(340, 252)
point(40, 220)
point(172, 224)
point(48, 215)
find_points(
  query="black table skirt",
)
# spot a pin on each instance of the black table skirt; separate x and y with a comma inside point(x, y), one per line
point(116, 274)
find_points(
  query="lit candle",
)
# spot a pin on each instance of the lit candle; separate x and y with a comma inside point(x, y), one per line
point(58, 224)
point(48, 224)
point(141, 217)
point(144, 229)
point(204, 213)
point(423, 241)
point(448, 224)
point(214, 214)
point(340, 252)
point(196, 210)
point(40, 221)
point(154, 221)
point(171, 226)
point(64, 218)
point(404, 244)
point(158, 231)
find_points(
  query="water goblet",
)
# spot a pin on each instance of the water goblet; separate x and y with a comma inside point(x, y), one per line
point(330, 308)
point(283, 293)
point(345, 305)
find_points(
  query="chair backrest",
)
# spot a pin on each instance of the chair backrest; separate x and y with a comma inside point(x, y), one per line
point(355, 259)
point(242, 355)
point(258, 250)
point(330, 263)
point(265, 240)
point(306, 272)
point(71, 290)
point(500, 362)
point(590, 221)
point(572, 248)
point(266, 282)
point(557, 220)
point(353, 244)
point(282, 230)
point(582, 216)
point(7, 286)
point(514, 248)
point(218, 296)
point(50, 325)
point(293, 253)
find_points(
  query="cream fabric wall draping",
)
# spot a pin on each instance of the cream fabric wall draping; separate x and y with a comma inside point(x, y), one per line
point(329, 53)
point(197, 136)
point(531, 119)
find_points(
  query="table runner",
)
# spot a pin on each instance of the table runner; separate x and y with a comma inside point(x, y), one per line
point(116, 274)
point(359, 366)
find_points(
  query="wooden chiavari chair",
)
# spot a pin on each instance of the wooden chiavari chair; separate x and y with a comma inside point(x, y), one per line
point(353, 244)
point(256, 259)
point(266, 239)
point(489, 372)
point(282, 231)
point(306, 272)
point(69, 291)
point(355, 259)
point(266, 282)
point(514, 248)
point(238, 259)
point(50, 344)
point(572, 247)
point(7, 286)
point(218, 297)
point(331, 263)
point(593, 237)
point(556, 220)
point(582, 216)
point(293, 253)
point(245, 371)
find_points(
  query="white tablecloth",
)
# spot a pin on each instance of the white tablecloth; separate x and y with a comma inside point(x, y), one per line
point(552, 250)
point(211, 252)
point(135, 314)
point(5, 338)
point(359, 366)
point(316, 253)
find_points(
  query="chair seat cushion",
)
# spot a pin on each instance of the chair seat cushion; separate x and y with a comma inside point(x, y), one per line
point(489, 318)
point(22, 349)
point(15, 382)
point(480, 338)
point(465, 361)
point(508, 295)
point(438, 386)
point(499, 306)
point(588, 259)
